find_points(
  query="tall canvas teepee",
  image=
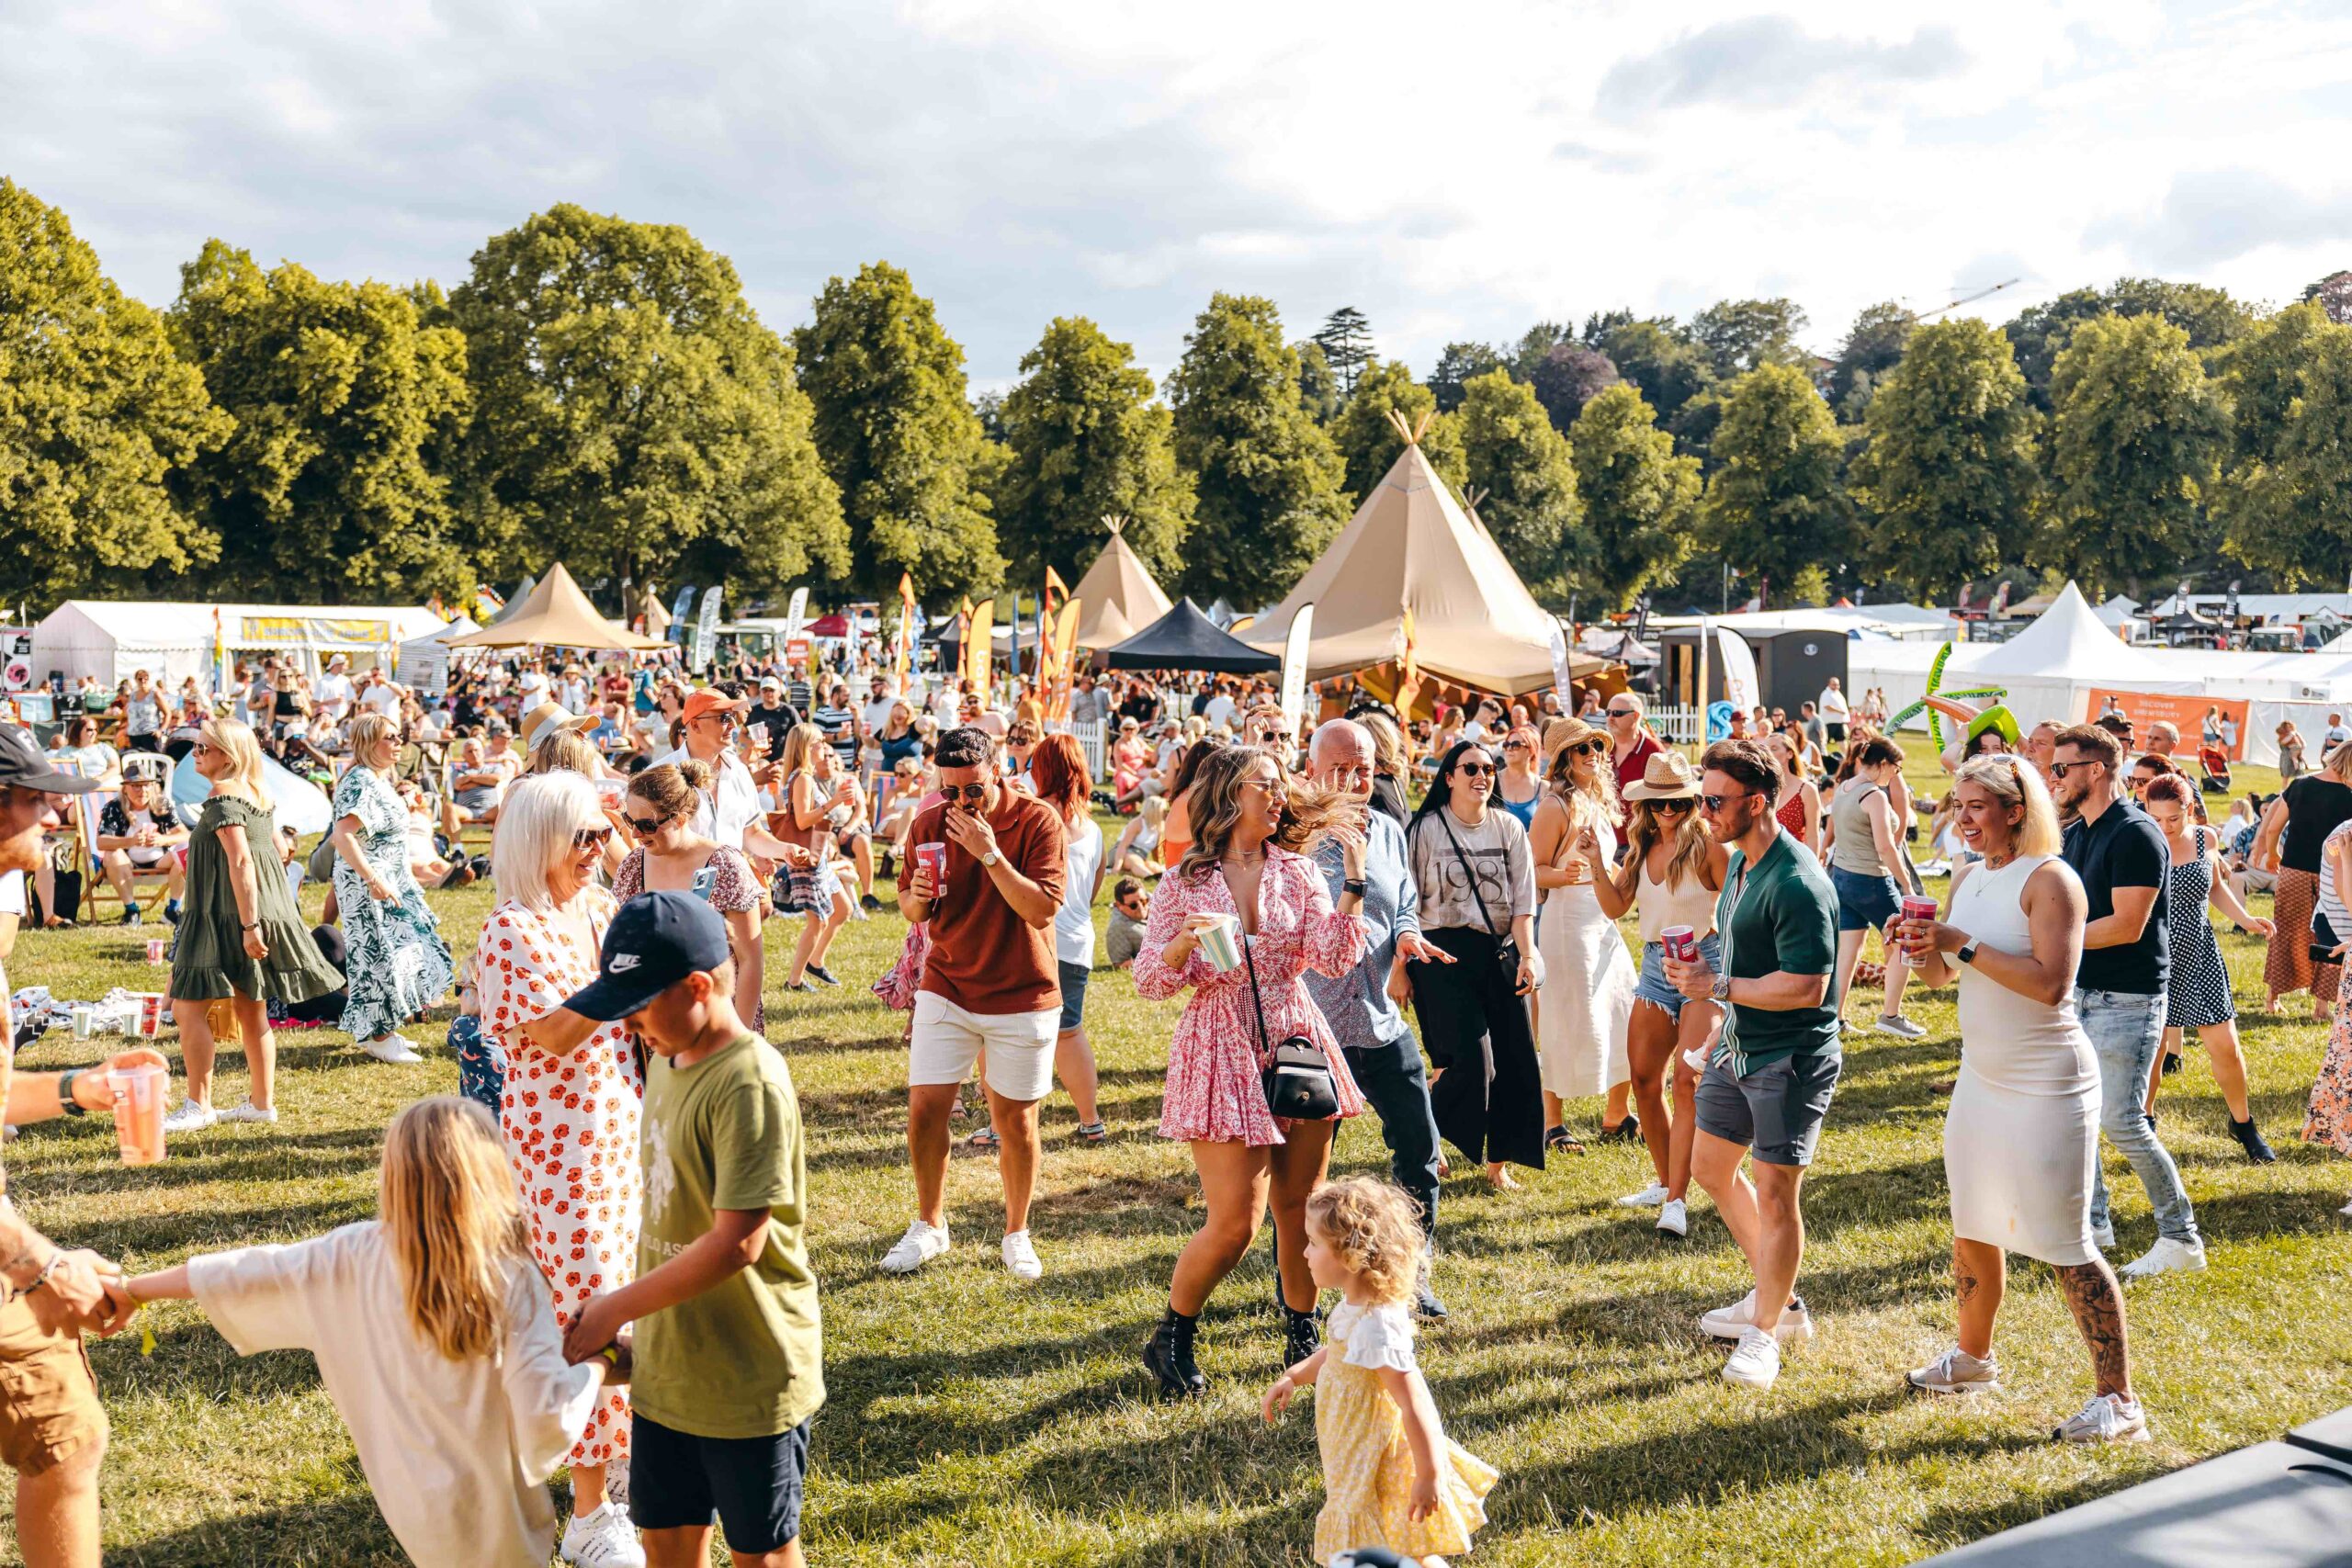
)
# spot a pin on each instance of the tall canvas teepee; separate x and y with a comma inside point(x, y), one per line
point(1116, 598)
point(1411, 543)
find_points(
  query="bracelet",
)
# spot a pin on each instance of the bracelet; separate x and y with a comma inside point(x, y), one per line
point(46, 1268)
point(250, 926)
point(65, 1101)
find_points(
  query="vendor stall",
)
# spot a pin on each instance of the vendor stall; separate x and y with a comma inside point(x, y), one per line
point(111, 638)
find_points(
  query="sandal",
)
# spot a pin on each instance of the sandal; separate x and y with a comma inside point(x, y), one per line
point(1558, 1138)
point(1093, 1132)
point(985, 1139)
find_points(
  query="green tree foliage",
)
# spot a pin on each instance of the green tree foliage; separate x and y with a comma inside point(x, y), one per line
point(1318, 385)
point(96, 412)
point(1529, 476)
point(2208, 316)
point(1777, 502)
point(341, 399)
point(1345, 339)
point(1639, 496)
point(1534, 344)
point(2285, 497)
point(1809, 589)
point(1455, 365)
point(631, 412)
point(2332, 294)
point(1568, 376)
point(1267, 476)
point(2135, 442)
point(1367, 438)
point(912, 462)
point(1662, 360)
point(1087, 437)
point(1949, 475)
point(1739, 335)
point(1873, 346)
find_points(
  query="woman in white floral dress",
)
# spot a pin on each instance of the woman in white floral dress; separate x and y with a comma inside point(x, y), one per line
point(396, 965)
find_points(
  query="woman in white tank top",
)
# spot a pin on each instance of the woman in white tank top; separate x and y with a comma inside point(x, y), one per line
point(2021, 1138)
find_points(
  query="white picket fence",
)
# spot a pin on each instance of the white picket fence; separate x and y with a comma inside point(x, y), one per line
point(1677, 726)
point(1094, 739)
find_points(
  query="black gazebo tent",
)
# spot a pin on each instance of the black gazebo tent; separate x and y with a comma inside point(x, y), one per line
point(1184, 639)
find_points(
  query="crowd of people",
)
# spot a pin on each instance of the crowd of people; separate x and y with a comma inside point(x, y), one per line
point(1420, 916)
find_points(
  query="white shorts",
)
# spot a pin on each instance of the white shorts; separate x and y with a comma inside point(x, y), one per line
point(947, 1041)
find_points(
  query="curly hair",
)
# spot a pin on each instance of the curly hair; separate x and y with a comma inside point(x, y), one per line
point(1215, 809)
point(1375, 1229)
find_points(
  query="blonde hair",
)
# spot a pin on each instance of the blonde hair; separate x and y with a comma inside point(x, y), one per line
point(534, 832)
point(797, 743)
point(448, 1213)
point(368, 729)
point(1387, 745)
point(1591, 802)
point(237, 742)
point(566, 749)
point(1645, 827)
point(2006, 781)
point(2339, 764)
point(1375, 1230)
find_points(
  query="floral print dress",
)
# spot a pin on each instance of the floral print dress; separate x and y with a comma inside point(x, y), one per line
point(395, 964)
point(570, 1124)
point(2329, 1121)
point(731, 889)
point(1213, 1092)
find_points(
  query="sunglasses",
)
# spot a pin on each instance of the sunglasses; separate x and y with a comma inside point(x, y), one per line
point(1514, 745)
point(643, 827)
point(1717, 802)
point(973, 793)
point(592, 838)
point(1622, 713)
point(2060, 769)
point(1674, 807)
point(1593, 747)
point(1475, 770)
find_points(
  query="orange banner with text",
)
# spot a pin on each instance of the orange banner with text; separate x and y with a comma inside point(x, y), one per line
point(2185, 714)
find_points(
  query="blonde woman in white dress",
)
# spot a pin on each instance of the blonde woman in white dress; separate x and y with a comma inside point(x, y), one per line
point(2022, 1139)
point(1588, 975)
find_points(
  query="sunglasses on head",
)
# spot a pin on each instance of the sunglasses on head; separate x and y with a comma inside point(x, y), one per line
point(592, 838)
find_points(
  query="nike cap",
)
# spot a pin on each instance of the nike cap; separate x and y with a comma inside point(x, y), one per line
point(656, 940)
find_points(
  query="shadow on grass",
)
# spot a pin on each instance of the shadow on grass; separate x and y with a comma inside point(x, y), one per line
point(345, 1530)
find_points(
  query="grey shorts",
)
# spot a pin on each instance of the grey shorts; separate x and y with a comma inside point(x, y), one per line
point(1776, 1111)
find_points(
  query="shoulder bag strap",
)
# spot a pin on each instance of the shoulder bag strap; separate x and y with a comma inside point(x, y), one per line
point(1257, 1002)
point(1468, 871)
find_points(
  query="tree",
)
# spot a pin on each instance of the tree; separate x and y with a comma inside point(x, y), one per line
point(1600, 323)
point(1345, 338)
point(1739, 335)
point(2136, 441)
point(339, 397)
point(2208, 316)
point(1949, 475)
point(1267, 476)
point(1087, 437)
point(1366, 437)
point(95, 415)
point(1534, 344)
point(1873, 346)
point(914, 466)
point(1776, 504)
point(1318, 385)
point(631, 412)
point(2284, 500)
point(1662, 360)
point(1455, 365)
point(1568, 376)
point(1529, 476)
point(2332, 294)
point(1639, 497)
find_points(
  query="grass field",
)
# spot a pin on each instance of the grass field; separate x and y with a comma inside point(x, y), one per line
point(976, 1420)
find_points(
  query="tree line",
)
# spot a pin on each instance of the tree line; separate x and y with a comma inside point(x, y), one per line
point(598, 391)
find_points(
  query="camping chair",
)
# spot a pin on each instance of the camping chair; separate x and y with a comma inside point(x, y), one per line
point(2214, 763)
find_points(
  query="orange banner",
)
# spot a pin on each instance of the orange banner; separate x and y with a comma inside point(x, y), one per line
point(2185, 714)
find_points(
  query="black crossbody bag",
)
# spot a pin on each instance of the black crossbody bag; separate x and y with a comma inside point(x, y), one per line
point(1296, 1076)
point(1506, 950)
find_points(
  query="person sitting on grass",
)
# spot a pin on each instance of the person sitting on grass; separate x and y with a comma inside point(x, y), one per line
point(433, 1306)
point(1122, 933)
point(728, 1354)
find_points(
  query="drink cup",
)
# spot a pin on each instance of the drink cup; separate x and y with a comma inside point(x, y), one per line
point(85, 1021)
point(155, 945)
point(1221, 943)
point(139, 1095)
point(1916, 911)
point(150, 1013)
point(1679, 943)
point(934, 856)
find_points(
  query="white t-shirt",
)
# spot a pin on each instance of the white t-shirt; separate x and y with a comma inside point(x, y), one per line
point(2229, 733)
point(878, 714)
point(1220, 710)
point(384, 699)
point(1074, 921)
point(2337, 736)
point(575, 696)
point(738, 804)
point(531, 689)
point(457, 1453)
point(331, 693)
point(12, 894)
point(1832, 704)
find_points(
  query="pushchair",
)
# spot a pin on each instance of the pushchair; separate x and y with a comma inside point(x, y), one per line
point(2214, 763)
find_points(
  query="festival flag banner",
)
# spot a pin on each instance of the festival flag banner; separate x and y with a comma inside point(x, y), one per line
point(905, 658)
point(1741, 687)
point(706, 627)
point(1051, 649)
point(977, 647)
point(1560, 665)
point(1302, 632)
point(679, 609)
point(1065, 639)
point(796, 614)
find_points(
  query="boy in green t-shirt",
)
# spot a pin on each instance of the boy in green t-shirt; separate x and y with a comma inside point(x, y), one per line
point(727, 1367)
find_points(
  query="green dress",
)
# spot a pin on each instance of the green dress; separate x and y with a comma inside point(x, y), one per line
point(208, 961)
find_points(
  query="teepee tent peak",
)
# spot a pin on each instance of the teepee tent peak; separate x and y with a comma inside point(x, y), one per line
point(1414, 432)
point(555, 614)
point(1117, 597)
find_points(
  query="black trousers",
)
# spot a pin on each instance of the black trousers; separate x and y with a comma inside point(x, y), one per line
point(1396, 1087)
point(1489, 1099)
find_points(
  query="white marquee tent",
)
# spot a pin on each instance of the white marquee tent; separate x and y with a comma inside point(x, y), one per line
point(110, 638)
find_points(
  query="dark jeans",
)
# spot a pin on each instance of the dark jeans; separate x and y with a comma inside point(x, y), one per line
point(1396, 1087)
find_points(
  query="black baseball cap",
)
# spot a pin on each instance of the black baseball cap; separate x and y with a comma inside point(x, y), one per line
point(656, 940)
point(23, 766)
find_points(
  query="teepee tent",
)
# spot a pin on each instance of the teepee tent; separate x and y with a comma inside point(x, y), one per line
point(1116, 598)
point(1411, 543)
point(556, 614)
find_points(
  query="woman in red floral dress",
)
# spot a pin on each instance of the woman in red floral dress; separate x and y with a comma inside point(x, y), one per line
point(570, 1111)
point(1249, 825)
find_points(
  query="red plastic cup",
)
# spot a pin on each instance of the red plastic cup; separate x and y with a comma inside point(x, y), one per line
point(933, 855)
point(1917, 910)
point(1681, 944)
point(155, 950)
point(151, 1014)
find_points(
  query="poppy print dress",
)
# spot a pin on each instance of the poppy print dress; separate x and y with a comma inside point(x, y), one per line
point(570, 1124)
point(1215, 1093)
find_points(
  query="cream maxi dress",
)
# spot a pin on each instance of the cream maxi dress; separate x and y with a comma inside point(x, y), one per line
point(1587, 997)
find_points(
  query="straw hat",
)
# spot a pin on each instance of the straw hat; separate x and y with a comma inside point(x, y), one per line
point(550, 717)
point(1665, 776)
point(1562, 733)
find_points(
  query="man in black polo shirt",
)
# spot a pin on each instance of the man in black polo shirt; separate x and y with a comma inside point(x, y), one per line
point(775, 713)
point(2120, 986)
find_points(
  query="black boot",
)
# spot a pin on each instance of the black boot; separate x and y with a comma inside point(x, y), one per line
point(2250, 1139)
point(1302, 1335)
point(1169, 1354)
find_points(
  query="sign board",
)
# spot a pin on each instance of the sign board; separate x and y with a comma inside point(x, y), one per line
point(296, 631)
point(2184, 712)
point(707, 629)
point(1294, 670)
point(15, 661)
point(1560, 665)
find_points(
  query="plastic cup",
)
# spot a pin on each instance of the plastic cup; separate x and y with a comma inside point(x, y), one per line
point(139, 1095)
point(150, 1013)
point(1679, 943)
point(1917, 910)
point(933, 856)
point(155, 945)
point(85, 1021)
point(1221, 943)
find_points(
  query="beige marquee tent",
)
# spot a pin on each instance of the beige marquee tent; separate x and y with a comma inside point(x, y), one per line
point(556, 614)
point(1116, 598)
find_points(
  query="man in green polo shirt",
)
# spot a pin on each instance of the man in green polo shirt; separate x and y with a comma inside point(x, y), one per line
point(1769, 1084)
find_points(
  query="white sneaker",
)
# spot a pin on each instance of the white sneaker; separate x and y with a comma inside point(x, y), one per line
point(1755, 1361)
point(2103, 1236)
point(247, 1110)
point(2345, 1211)
point(1674, 1217)
point(1957, 1371)
point(918, 1247)
point(1731, 1322)
point(2108, 1418)
point(394, 1048)
point(1649, 1197)
point(2166, 1257)
point(602, 1539)
point(1896, 1024)
point(190, 1118)
point(1022, 1258)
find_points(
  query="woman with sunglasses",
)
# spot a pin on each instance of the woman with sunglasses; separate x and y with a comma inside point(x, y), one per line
point(1477, 879)
point(570, 1102)
point(1588, 975)
point(395, 960)
point(670, 857)
point(1521, 787)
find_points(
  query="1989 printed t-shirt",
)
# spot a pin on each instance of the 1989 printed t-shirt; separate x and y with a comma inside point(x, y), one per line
point(1495, 851)
point(984, 957)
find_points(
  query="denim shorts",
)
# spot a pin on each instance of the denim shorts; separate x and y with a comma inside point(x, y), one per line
point(1073, 996)
point(1864, 902)
point(1654, 986)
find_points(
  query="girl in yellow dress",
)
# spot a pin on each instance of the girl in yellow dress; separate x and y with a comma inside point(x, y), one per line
point(1391, 1477)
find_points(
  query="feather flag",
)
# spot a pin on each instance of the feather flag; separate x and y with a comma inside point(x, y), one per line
point(905, 660)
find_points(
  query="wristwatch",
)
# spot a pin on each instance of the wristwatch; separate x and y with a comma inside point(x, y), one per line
point(1967, 952)
point(1352, 885)
point(65, 1102)
point(1721, 989)
point(990, 859)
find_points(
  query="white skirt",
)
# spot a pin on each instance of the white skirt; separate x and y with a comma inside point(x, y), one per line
point(2019, 1166)
point(1588, 996)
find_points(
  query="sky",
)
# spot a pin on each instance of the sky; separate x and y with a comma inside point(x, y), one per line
point(1455, 171)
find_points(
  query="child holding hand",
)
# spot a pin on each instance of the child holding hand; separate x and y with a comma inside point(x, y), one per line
point(1391, 1477)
